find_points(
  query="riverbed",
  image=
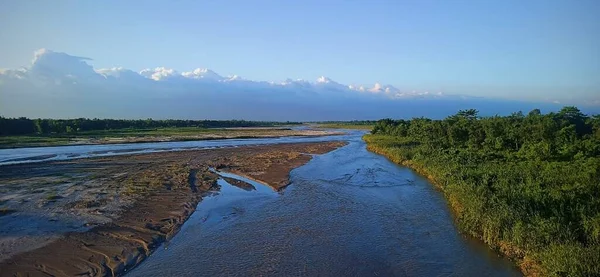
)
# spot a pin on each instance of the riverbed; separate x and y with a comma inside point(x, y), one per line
point(59, 153)
point(346, 213)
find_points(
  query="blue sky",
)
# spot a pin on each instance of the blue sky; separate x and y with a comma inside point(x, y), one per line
point(512, 49)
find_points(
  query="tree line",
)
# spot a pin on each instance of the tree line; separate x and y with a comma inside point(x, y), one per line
point(351, 122)
point(26, 126)
point(528, 185)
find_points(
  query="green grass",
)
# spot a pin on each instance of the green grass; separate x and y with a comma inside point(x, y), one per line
point(20, 141)
point(52, 196)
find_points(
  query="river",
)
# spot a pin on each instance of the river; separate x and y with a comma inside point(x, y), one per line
point(54, 153)
point(346, 213)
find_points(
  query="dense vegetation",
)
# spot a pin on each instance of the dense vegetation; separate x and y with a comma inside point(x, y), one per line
point(25, 126)
point(528, 185)
point(354, 124)
point(350, 122)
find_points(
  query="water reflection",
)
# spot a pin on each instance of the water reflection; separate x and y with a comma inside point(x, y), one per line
point(346, 213)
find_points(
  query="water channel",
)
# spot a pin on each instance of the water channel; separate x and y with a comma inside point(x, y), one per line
point(346, 213)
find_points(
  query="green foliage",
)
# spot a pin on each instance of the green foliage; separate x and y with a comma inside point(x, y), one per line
point(354, 124)
point(25, 126)
point(345, 126)
point(52, 196)
point(531, 182)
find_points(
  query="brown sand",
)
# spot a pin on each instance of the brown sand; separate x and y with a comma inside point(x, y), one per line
point(105, 215)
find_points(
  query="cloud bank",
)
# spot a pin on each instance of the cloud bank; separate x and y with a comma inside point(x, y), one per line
point(61, 85)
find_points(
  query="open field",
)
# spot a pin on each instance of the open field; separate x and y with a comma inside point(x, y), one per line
point(102, 216)
point(152, 135)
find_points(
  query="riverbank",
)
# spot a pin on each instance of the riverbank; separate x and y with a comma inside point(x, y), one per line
point(155, 135)
point(348, 213)
point(348, 126)
point(102, 216)
point(394, 152)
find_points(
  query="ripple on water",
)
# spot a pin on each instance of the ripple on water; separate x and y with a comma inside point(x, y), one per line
point(346, 213)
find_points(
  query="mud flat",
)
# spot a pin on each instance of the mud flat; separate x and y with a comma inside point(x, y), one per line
point(232, 133)
point(159, 135)
point(103, 216)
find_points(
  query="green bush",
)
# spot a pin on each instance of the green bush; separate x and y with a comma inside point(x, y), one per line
point(528, 186)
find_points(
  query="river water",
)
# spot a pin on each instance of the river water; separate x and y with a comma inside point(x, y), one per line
point(53, 153)
point(346, 213)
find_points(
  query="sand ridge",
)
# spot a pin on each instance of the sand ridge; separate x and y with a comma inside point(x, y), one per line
point(103, 216)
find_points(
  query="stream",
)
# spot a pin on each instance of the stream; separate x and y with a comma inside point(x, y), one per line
point(346, 213)
point(54, 153)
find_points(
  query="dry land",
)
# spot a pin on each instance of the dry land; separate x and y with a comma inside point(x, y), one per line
point(103, 216)
point(154, 135)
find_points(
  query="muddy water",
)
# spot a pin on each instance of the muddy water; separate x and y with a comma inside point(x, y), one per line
point(347, 213)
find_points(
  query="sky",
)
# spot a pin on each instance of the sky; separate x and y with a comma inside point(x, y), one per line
point(537, 50)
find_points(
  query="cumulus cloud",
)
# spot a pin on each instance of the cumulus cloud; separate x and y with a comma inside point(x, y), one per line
point(204, 74)
point(377, 88)
point(159, 73)
point(325, 83)
point(57, 84)
point(58, 66)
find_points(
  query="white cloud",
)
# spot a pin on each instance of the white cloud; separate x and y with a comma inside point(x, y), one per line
point(378, 88)
point(57, 84)
point(61, 68)
point(118, 72)
point(58, 66)
point(324, 80)
point(159, 73)
point(324, 83)
point(203, 74)
point(13, 73)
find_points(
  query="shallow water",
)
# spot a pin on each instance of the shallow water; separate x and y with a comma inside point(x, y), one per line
point(40, 154)
point(347, 213)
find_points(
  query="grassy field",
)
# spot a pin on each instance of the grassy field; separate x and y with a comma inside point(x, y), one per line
point(24, 141)
point(143, 135)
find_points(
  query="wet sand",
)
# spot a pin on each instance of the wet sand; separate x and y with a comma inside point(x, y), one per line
point(227, 133)
point(348, 212)
point(143, 137)
point(103, 216)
